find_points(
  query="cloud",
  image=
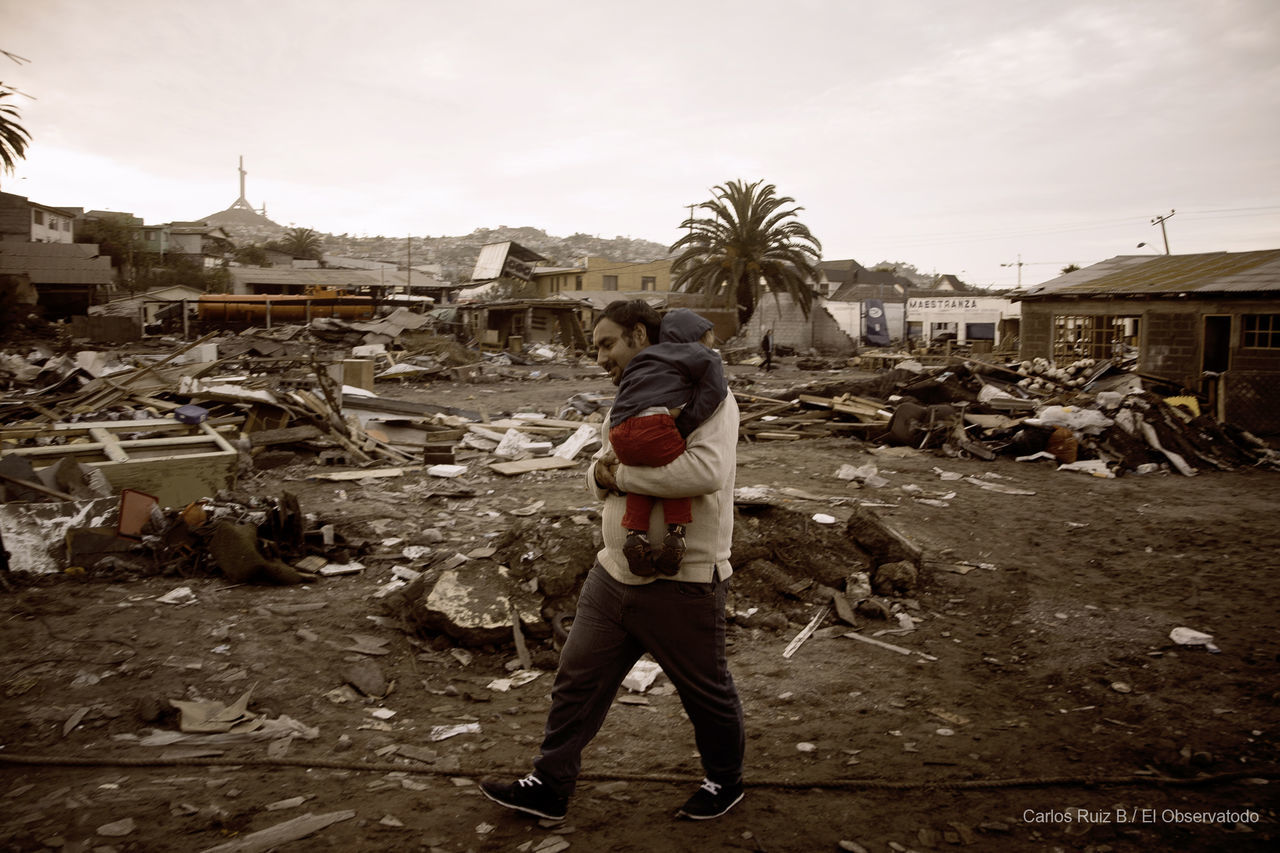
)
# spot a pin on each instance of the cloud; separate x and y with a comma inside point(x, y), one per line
point(951, 136)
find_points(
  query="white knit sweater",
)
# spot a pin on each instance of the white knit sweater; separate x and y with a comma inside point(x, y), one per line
point(704, 472)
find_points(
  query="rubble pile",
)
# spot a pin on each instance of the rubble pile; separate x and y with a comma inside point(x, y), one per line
point(114, 463)
point(1090, 414)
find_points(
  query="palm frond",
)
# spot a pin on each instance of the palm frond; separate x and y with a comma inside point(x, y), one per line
point(14, 138)
point(747, 242)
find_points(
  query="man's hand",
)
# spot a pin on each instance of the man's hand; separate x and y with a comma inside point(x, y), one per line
point(607, 472)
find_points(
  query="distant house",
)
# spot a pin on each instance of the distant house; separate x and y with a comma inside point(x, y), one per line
point(260, 280)
point(838, 273)
point(1207, 322)
point(494, 324)
point(39, 258)
point(67, 277)
point(604, 274)
point(27, 221)
point(148, 308)
point(210, 243)
point(593, 302)
point(849, 302)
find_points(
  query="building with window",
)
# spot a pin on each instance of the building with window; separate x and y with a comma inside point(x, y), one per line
point(27, 221)
point(602, 274)
point(38, 254)
point(1209, 323)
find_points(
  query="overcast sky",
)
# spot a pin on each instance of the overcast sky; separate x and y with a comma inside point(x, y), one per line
point(956, 136)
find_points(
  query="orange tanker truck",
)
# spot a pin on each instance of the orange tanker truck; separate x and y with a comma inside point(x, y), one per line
point(263, 309)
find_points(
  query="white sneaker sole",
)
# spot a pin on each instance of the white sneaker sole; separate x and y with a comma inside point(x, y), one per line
point(722, 812)
point(521, 809)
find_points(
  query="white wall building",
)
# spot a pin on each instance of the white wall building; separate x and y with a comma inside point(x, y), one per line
point(968, 317)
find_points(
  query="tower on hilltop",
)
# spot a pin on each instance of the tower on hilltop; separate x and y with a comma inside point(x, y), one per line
point(242, 220)
point(242, 203)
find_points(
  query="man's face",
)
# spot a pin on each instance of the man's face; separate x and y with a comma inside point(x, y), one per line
point(616, 346)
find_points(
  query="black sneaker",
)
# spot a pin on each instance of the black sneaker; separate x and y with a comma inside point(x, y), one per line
point(711, 800)
point(529, 795)
point(639, 555)
point(667, 560)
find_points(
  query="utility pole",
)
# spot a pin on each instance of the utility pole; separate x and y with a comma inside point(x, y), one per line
point(1164, 233)
point(1019, 265)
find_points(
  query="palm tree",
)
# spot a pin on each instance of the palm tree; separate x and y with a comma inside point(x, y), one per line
point(303, 243)
point(750, 242)
point(13, 136)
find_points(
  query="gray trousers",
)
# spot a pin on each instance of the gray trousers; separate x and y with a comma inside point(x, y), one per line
point(682, 626)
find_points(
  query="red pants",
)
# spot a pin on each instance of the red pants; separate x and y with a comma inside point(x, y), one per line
point(650, 440)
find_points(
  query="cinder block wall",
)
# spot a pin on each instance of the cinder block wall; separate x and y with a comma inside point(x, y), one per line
point(790, 327)
point(1036, 331)
point(1171, 344)
point(828, 337)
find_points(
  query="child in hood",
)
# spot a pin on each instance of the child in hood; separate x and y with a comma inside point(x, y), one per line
point(666, 391)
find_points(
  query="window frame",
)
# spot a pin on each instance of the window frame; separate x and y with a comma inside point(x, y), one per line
point(1254, 336)
point(1097, 336)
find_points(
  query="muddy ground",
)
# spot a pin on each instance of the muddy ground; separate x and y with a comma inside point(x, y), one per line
point(1041, 705)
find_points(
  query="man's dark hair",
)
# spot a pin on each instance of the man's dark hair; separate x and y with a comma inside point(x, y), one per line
point(628, 312)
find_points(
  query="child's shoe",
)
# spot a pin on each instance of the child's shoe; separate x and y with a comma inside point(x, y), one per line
point(667, 560)
point(638, 553)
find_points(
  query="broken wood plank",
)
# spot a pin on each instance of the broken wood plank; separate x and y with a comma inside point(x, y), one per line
point(176, 469)
point(522, 650)
point(542, 422)
point(287, 435)
point(533, 427)
point(997, 487)
point(815, 400)
point(806, 631)
point(860, 411)
point(753, 398)
point(282, 833)
point(538, 463)
point(361, 474)
point(110, 445)
point(890, 646)
point(152, 368)
point(37, 487)
point(764, 413)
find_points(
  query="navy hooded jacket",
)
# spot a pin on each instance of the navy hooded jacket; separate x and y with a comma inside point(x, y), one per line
point(676, 372)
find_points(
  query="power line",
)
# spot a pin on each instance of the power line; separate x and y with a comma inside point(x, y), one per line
point(961, 236)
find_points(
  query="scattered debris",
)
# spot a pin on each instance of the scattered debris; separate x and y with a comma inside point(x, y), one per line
point(804, 634)
point(282, 833)
point(1188, 637)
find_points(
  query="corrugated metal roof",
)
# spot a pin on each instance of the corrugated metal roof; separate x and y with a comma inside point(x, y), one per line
point(245, 277)
point(492, 260)
point(1137, 275)
point(56, 263)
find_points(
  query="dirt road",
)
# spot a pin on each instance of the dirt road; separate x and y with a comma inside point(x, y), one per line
point(1038, 701)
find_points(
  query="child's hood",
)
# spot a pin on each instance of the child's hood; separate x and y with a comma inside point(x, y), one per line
point(683, 326)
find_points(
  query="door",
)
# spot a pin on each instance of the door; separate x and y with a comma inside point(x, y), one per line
point(1215, 360)
point(1217, 344)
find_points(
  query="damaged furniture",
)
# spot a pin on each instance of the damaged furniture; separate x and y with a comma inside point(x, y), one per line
point(176, 462)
